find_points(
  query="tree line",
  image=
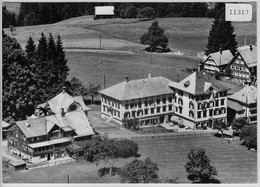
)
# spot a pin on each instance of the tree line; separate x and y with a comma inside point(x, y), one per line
point(35, 75)
point(46, 13)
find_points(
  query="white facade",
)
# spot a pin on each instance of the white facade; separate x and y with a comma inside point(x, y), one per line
point(199, 111)
point(149, 110)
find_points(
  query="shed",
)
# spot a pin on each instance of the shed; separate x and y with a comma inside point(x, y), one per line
point(103, 12)
point(18, 164)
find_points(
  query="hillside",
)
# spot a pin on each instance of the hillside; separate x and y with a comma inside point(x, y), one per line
point(188, 35)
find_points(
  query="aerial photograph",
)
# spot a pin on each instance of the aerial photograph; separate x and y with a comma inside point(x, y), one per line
point(129, 92)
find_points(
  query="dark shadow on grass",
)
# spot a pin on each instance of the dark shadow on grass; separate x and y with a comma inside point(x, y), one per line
point(137, 155)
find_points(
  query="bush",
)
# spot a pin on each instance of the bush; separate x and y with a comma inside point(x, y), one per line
point(217, 135)
point(105, 171)
point(249, 135)
point(126, 148)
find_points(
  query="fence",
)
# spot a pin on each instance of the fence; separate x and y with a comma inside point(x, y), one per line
point(107, 128)
point(168, 136)
point(52, 163)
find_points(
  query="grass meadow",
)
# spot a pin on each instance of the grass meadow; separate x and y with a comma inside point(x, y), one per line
point(234, 163)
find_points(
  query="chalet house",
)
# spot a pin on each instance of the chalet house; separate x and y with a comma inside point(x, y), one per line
point(243, 104)
point(55, 125)
point(244, 64)
point(150, 100)
point(61, 102)
point(200, 100)
point(5, 127)
point(104, 12)
point(44, 139)
point(218, 61)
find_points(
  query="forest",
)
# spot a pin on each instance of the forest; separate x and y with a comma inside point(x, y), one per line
point(46, 13)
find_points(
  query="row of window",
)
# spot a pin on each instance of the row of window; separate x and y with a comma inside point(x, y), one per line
point(211, 104)
point(111, 111)
point(148, 103)
point(147, 111)
point(205, 113)
point(111, 103)
point(240, 74)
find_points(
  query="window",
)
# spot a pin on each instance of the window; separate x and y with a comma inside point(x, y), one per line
point(132, 105)
point(118, 114)
point(158, 101)
point(151, 102)
point(164, 108)
point(152, 110)
point(139, 104)
point(204, 113)
point(133, 113)
point(191, 114)
point(164, 100)
point(216, 102)
point(199, 105)
point(191, 105)
point(222, 101)
point(158, 109)
point(104, 108)
point(180, 93)
point(170, 107)
point(146, 103)
point(199, 114)
point(42, 156)
point(170, 99)
point(176, 109)
point(145, 111)
point(210, 112)
point(126, 106)
point(180, 109)
point(180, 102)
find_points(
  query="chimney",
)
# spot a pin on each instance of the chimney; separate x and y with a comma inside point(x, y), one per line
point(64, 89)
point(251, 47)
point(126, 78)
point(220, 50)
point(62, 112)
point(149, 75)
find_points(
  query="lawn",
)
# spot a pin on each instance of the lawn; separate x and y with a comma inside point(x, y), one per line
point(234, 163)
point(90, 67)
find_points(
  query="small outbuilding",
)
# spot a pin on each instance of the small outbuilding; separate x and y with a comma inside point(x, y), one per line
point(18, 164)
point(104, 12)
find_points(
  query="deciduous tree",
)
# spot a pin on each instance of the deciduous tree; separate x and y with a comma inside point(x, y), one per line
point(198, 167)
point(139, 171)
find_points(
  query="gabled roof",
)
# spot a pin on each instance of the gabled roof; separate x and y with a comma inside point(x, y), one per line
point(221, 58)
point(249, 56)
point(140, 88)
point(76, 120)
point(199, 83)
point(64, 100)
point(248, 95)
point(37, 127)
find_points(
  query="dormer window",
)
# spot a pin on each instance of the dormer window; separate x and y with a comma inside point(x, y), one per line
point(186, 84)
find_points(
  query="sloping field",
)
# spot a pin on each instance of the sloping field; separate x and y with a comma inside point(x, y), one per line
point(234, 163)
point(188, 35)
point(90, 67)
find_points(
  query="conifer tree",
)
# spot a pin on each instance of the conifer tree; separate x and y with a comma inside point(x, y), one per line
point(61, 61)
point(30, 48)
point(42, 48)
point(221, 34)
point(51, 52)
point(155, 38)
